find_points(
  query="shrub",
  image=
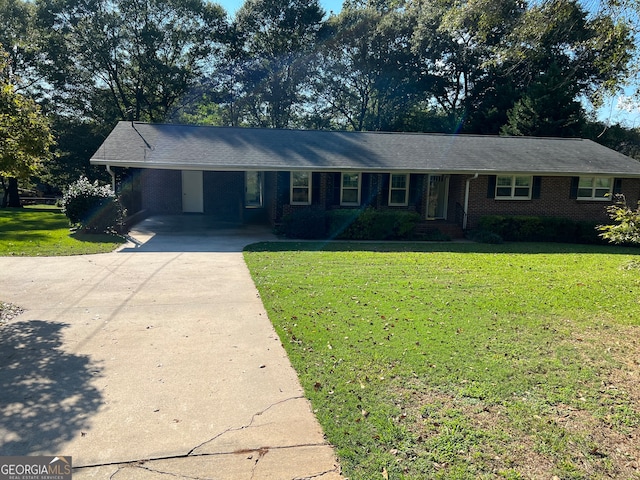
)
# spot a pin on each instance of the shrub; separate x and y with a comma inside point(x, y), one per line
point(305, 223)
point(484, 236)
point(626, 230)
point(371, 224)
point(92, 207)
point(537, 229)
point(349, 224)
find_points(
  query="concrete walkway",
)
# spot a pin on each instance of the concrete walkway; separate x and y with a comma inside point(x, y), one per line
point(157, 361)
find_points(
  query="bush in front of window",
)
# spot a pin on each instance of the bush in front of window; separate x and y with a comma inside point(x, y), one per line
point(371, 224)
point(539, 229)
point(349, 224)
point(305, 223)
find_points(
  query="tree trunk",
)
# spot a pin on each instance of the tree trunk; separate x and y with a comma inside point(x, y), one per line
point(5, 193)
point(11, 194)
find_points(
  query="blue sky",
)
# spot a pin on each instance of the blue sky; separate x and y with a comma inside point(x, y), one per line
point(232, 5)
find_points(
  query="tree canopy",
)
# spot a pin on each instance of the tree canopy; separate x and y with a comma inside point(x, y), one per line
point(25, 139)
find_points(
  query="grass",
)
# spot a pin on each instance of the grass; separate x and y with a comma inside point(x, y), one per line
point(464, 361)
point(44, 231)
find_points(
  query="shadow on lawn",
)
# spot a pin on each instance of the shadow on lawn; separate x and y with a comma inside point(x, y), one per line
point(453, 247)
point(46, 396)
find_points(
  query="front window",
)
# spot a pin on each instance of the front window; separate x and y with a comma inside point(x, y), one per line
point(595, 188)
point(350, 191)
point(300, 188)
point(253, 185)
point(516, 187)
point(398, 190)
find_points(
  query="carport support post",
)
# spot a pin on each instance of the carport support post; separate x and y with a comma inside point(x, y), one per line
point(113, 178)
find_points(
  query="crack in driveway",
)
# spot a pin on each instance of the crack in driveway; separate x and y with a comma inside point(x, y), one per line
point(243, 427)
point(256, 454)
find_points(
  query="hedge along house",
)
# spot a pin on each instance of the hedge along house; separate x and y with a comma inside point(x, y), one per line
point(244, 175)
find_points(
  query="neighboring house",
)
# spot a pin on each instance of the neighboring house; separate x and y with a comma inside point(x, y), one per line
point(252, 175)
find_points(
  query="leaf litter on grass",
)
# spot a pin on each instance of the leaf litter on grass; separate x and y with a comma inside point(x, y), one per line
point(465, 365)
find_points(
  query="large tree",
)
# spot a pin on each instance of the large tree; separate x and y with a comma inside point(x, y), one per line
point(20, 39)
point(137, 58)
point(367, 77)
point(25, 139)
point(271, 59)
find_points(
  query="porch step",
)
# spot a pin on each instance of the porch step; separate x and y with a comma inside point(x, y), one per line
point(453, 230)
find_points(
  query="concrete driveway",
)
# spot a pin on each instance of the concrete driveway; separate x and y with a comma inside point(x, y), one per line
point(157, 361)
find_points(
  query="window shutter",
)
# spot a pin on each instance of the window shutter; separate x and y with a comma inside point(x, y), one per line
point(336, 188)
point(384, 198)
point(415, 188)
point(284, 187)
point(491, 187)
point(315, 188)
point(617, 186)
point(535, 188)
point(365, 189)
point(573, 193)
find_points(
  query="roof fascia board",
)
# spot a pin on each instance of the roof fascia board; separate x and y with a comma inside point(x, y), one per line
point(271, 168)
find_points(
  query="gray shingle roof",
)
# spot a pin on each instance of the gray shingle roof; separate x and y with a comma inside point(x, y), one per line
point(186, 147)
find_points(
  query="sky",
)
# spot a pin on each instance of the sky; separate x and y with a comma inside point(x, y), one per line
point(231, 6)
point(621, 109)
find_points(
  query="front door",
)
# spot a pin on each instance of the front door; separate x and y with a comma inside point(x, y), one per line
point(437, 196)
point(192, 197)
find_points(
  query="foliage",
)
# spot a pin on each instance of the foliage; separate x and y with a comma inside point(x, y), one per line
point(350, 224)
point(141, 57)
point(371, 224)
point(626, 229)
point(77, 141)
point(19, 38)
point(549, 108)
point(484, 236)
point(93, 207)
point(38, 231)
point(25, 138)
point(538, 229)
point(462, 360)
point(306, 223)
point(270, 57)
point(366, 73)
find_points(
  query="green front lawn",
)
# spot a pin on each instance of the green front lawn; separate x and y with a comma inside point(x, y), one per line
point(464, 361)
point(44, 231)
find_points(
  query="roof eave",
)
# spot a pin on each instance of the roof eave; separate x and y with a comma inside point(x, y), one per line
point(350, 168)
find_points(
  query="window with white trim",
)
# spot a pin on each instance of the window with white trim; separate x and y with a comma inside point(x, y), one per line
point(513, 187)
point(399, 189)
point(350, 189)
point(595, 188)
point(300, 188)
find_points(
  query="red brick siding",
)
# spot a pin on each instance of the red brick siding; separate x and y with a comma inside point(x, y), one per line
point(554, 201)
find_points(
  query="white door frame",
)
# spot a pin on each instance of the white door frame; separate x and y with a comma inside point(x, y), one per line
point(443, 201)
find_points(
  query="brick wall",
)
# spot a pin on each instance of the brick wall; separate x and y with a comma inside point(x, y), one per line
point(162, 191)
point(554, 201)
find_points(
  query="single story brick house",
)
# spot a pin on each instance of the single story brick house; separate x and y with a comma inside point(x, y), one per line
point(261, 175)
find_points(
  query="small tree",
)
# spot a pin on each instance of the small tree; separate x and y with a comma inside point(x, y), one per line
point(627, 226)
point(25, 138)
point(93, 208)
